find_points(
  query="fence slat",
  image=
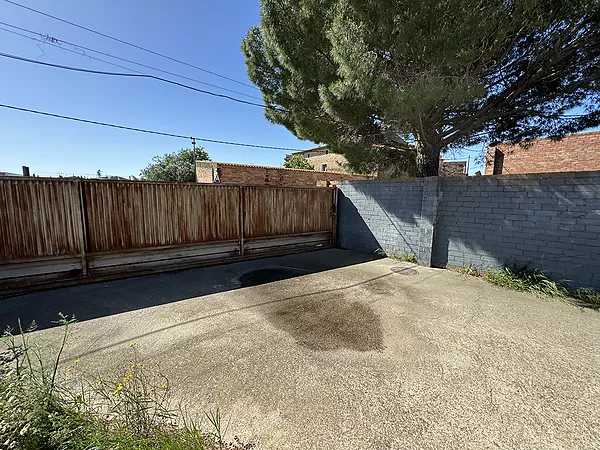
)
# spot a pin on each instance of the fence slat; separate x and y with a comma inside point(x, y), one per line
point(38, 218)
point(47, 218)
point(273, 211)
point(134, 215)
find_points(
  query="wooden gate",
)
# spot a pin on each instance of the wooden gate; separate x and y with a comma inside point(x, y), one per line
point(57, 232)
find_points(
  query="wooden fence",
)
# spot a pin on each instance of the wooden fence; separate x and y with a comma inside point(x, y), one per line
point(68, 231)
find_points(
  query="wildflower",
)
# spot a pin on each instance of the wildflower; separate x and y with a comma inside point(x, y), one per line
point(118, 389)
point(76, 361)
point(99, 382)
point(69, 370)
point(132, 344)
point(127, 378)
point(163, 386)
point(24, 429)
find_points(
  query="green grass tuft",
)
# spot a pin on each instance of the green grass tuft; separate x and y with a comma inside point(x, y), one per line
point(468, 270)
point(587, 296)
point(404, 256)
point(535, 282)
point(47, 406)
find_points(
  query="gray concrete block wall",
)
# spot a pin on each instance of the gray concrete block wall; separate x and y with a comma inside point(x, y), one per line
point(549, 222)
point(381, 215)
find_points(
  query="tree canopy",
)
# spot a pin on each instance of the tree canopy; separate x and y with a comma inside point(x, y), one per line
point(380, 79)
point(174, 167)
point(298, 162)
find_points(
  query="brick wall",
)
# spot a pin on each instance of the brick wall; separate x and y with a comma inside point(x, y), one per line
point(549, 222)
point(576, 152)
point(261, 175)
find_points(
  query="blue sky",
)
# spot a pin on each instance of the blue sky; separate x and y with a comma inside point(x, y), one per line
point(206, 34)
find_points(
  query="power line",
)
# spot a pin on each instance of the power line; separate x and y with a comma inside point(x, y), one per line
point(55, 42)
point(130, 44)
point(135, 75)
point(141, 130)
point(73, 51)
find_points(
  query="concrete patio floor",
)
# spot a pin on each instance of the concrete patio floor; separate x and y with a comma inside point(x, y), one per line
point(333, 350)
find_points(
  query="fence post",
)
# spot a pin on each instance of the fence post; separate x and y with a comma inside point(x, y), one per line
point(241, 220)
point(83, 220)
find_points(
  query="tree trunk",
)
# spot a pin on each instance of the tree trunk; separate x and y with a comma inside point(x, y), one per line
point(428, 155)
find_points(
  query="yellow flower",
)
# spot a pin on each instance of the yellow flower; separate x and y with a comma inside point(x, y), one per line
point(99, 382)
point(118, 389)
point(76, 361)
point(132, 344)
point(69, 370)
point(163, 386)
point(127, 378)
point(133, 366)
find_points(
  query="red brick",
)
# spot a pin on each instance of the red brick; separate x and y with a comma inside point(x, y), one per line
point(576, 152)
point(273, 176)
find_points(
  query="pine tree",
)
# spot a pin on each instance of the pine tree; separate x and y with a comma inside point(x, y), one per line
point(380, 79)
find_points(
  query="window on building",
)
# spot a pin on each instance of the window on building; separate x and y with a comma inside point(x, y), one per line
point(323, 167)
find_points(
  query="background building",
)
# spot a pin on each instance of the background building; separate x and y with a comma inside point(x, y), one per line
point(574, 153)
point(324, 160)
point(229, 173)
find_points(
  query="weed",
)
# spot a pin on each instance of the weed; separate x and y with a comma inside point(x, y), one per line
point(404, 256)
point(409, 257)
point(468, 270)
point(524, 280)
point(381, 252)
point(537, 283)
point(43, 407)
point(587, 296)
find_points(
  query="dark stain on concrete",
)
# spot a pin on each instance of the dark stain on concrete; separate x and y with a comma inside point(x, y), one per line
point(406, 271)
point(321, 321)
point(329, 322)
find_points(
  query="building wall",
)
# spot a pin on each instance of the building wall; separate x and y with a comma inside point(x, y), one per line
point(576, 152)
point(453, 168)
point(549, 222)
point(205, 171)
point(262, 175)
point(335, 162)
point(309, 153)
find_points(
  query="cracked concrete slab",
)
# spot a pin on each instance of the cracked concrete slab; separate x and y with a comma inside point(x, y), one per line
point(329, 350)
